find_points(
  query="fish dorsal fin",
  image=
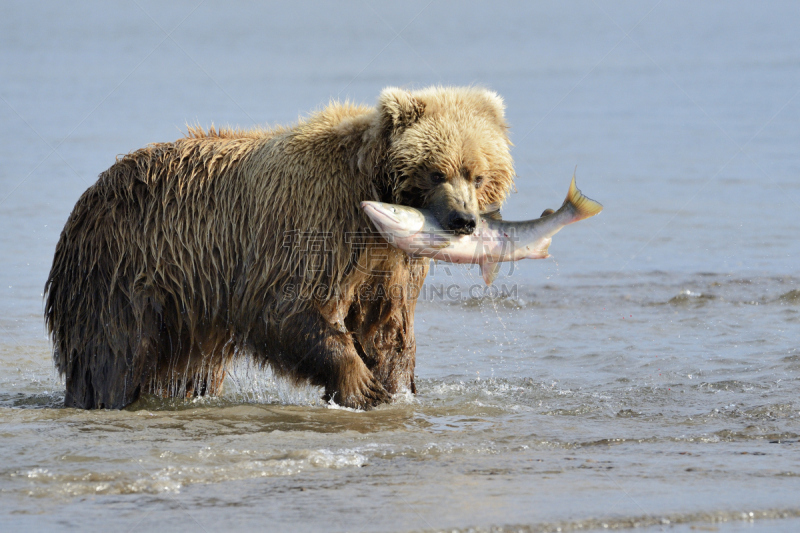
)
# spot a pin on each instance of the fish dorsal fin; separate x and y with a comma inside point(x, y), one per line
point(490, 208)
point(489, 270)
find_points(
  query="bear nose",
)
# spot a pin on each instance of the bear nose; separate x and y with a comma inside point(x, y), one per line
point(463, 223)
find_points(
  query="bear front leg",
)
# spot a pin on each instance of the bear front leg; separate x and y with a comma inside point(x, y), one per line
point(326, 356)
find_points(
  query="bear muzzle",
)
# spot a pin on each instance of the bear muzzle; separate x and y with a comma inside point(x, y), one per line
point(461, 223)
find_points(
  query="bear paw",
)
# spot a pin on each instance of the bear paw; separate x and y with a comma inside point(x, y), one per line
point(364, 393)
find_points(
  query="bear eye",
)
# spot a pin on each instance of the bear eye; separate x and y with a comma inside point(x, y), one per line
point(478, 181)
point(437, 177)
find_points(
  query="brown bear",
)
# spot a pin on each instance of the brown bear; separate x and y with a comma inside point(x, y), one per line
point(227, 243)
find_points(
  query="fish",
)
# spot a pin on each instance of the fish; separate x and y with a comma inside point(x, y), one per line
point(418, 233)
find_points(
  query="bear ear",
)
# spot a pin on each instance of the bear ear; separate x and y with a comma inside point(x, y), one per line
point(399, 108)
point(495, 107)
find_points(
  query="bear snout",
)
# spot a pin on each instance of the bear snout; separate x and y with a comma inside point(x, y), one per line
point(461, 223)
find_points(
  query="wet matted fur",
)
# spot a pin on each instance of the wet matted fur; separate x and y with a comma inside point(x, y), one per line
point(227, 243)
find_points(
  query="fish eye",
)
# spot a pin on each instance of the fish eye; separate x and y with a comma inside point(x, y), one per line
point(394, 210)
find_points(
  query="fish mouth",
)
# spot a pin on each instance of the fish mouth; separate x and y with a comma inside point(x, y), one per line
point(380, 216)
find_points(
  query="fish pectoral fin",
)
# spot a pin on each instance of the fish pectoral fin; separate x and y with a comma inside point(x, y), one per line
point(489, 270)
point(429, 242)
point(491, 208)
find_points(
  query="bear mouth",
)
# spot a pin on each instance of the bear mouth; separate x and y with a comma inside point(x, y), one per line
point(461, 231)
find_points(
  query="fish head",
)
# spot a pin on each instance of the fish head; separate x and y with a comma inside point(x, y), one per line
point(395, 220)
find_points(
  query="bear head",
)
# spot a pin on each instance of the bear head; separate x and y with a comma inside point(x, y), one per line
point(446, 150)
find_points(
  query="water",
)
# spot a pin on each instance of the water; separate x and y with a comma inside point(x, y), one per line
point(646, 376)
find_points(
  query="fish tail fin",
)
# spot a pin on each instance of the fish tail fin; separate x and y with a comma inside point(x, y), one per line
point(584, 207)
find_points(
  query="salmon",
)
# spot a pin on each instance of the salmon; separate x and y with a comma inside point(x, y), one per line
point(418, 233)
